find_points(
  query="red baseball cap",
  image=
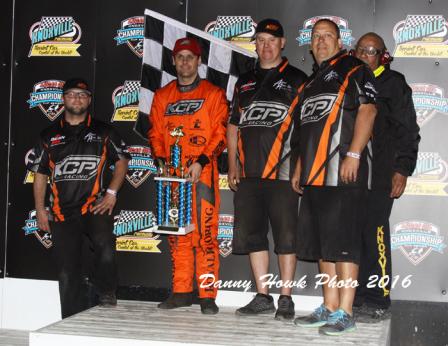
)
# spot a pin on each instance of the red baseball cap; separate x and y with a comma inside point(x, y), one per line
point(188, 43)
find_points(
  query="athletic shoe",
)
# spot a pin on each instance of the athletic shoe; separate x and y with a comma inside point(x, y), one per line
point(339, 322)
point(285, 309)
point(370, 314)
point(261, 304)
point(318, 318)
point(177, 300)
point(208, 306)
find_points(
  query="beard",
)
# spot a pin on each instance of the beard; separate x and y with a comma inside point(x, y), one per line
point(76, 110)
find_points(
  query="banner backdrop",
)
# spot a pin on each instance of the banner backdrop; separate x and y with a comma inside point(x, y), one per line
point(102, 41)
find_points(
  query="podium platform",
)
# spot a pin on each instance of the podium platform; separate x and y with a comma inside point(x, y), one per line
point(141, 323)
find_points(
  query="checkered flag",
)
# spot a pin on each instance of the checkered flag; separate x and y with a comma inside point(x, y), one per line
point(47, 22)
point(128, 215)
point(223, 21)
point(222, 62)
point(413, 20)
point(130, 86)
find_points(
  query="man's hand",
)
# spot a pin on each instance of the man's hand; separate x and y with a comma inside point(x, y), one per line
point(295, 179)
point(194, 172)
point(42, 220)
point(398, 185)
point(233, 176)
point(349, 170)
point(106, 205)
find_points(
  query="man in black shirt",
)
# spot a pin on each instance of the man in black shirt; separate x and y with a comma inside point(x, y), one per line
point(73, 154)
point(258, 139)
point(395, 146)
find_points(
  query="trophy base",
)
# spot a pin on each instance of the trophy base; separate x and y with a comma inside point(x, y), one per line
point(173, 230)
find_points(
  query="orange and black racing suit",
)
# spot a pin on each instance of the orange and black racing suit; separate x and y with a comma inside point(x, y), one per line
point(201, 109)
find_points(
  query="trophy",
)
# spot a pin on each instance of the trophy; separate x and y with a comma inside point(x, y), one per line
point(173, 193)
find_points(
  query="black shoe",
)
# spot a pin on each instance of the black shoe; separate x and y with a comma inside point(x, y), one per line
point(177, 300)
point(208, 306)
point(107, 300)
point(370, 314)
point(285, 309)
point(261, 304)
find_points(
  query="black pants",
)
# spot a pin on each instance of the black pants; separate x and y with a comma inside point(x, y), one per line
point(68, 239)
point(375, 267)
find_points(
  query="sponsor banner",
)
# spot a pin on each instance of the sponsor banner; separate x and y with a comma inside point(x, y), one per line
point(140, 166)
point(238, 30)
point(430, 177)
point(421, 36)
point(223, 182)
point(31, 228)
point(429, 99)
point(416, 239)
point(47, 96)
point(304, 37)
point(55, 37)
point(225, 234)
point(125, 99)
point(131, 228)
point(131, 33)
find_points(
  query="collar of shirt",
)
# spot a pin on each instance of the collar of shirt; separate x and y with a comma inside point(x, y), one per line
point(330, 61)
point(189, 87)
point(261, 73)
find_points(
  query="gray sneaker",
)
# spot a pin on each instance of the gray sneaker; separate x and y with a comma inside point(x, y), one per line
point(316, 319)
point(339, 322)
point(285, 309)
point(370, 314)
point(261, 304)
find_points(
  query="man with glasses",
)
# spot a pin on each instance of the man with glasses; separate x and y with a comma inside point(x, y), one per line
point(336, 113)
point(73, 154)
point(259, 153)
point(395, 146)
point(200, 109)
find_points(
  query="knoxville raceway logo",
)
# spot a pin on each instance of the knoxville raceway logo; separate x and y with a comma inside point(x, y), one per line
point(430, 176)
point(125, 99)
point(429, 99)
point(55, 37)
point(131, 228)
point(131, 33)
point(238, 30)
point(421, 36)
point(417, 239)
point(47, 96)
point(304, 37)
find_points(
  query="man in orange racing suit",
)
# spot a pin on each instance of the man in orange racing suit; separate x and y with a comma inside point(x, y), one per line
point(202, 111)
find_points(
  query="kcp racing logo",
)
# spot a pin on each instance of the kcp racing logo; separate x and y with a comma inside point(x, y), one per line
point(184, 107)
point(264, 114)
point(76, 167)
point(317, 107)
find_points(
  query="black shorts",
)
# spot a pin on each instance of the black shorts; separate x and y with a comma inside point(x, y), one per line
point(330, 223)
point(259, 202)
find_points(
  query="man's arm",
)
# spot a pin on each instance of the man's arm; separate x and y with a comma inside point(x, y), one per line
point(406, 135)
point(107, 204)
point(39, 190)
point(217, 139)
point(232, 149)
point(362, 132)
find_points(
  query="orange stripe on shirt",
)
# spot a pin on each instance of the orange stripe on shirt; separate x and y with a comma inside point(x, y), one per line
point(274, 155)
point(56, 205)
point(241, 154)
point(317, 173)
point(96, 186)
